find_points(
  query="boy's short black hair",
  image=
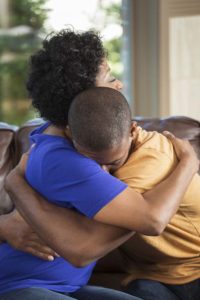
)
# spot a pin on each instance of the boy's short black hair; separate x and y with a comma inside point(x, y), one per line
point(67, 64)
point(99, 118)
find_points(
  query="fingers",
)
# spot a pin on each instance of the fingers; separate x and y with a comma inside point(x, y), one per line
point(181, 147)
point(105, 168)
point(17, 217)
point(23, 162)
point(32, 146)
point(134, 123)
point(184, 150)
point(41, 251)
point(39, 254)
point(35, 246)
point(168, 134)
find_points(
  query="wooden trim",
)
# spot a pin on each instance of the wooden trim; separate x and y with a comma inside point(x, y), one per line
point(4, 14)
point(181, 8)
point(170, 9)
point(151, 52)
point(145, 57)
point(128, 52)
point(163, 85)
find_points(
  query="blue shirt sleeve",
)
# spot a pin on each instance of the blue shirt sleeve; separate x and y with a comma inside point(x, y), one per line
point(70, 179)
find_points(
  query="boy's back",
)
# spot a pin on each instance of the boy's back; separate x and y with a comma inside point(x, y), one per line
point(172, 257)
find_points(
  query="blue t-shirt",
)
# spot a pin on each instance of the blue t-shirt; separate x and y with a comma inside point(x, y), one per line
point(66, 178)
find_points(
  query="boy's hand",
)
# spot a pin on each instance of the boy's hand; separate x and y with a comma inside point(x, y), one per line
point(184, 150)
point(20, 236)
point(23, 162)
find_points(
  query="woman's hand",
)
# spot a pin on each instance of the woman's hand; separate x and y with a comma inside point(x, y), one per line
point(21, 167)
point(184, 150)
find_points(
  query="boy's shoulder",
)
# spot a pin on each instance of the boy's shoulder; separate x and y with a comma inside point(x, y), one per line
point(152, 160)
point(153, 141)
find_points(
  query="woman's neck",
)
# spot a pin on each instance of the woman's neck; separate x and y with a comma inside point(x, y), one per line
point(55, 130)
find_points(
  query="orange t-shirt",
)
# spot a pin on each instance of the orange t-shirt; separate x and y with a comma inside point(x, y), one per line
point(174, 256)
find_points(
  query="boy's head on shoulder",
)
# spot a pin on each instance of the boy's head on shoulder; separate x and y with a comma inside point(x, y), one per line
point(100, 126)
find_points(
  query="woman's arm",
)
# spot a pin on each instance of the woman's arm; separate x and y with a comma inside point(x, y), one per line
point(81, 240)
point(75, 237)
point(151, 212)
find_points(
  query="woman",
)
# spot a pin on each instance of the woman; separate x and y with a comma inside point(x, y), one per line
point(69, 63)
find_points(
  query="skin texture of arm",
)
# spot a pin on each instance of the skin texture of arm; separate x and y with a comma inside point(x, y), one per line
point(18, 233)
point(154, 209)
point(81, 240)
point(75, 237)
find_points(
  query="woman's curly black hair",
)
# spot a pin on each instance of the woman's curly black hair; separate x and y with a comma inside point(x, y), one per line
point(66, 65)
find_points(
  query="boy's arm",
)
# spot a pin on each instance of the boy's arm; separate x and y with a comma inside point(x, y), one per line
point(149, 214)
point(74, 236)
point(15, 231)
point(130, 210)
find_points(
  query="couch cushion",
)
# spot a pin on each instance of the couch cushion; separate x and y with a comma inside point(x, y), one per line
point(7, 157)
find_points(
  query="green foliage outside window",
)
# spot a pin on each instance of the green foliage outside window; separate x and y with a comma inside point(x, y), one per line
point(112, 15)
point(114, 47)
point(26, 22)
point(27, 18)
point(29, 12)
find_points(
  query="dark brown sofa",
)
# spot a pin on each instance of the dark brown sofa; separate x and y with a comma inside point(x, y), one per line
point(110, 270)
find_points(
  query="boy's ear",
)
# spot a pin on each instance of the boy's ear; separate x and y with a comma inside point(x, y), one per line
point(133, 129)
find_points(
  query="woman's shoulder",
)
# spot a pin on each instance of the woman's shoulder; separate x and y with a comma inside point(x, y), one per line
point(57, 155)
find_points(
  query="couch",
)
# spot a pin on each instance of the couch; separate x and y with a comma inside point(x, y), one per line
point(110, 270)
